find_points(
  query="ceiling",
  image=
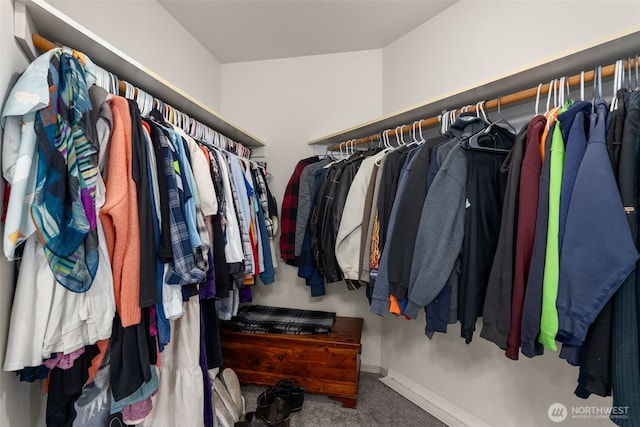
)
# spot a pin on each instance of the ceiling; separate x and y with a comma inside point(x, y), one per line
point(250, 30)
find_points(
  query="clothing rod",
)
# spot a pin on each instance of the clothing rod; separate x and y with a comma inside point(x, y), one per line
point(607, 71)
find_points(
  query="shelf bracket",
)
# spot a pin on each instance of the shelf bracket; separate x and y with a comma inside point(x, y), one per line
point(23, 26)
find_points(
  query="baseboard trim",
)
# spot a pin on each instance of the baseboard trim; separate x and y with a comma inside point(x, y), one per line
point(373, 369)
point(441, 408)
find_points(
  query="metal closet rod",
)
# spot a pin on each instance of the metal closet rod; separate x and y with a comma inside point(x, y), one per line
point(607, 71)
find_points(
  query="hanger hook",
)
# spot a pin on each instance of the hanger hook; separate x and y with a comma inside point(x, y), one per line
point(442, 118)
point(538, 97)
point(549, 93)
point(637, 74)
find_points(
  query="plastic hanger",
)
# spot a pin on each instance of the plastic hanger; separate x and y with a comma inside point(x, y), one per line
point(617, 84)
point(442, 118)
point(538, 98)
point(501, 118)
point(478, 141)
point(128, 90)
point(581, 85)
point(480, 110)
point(419, 127)
point(597, 87)
point(549, 92)
point(399, 136)
point(637, 74)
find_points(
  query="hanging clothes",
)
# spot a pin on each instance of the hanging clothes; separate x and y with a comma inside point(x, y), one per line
point(145, 216)
point(625, 335)
point(289, 212)
point(595, 366)
point(441, 229)
point(496, 312)
point(527, 216)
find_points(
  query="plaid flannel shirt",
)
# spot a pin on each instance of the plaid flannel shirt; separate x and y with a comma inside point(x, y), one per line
point(182, 268)
point(290, 212)
point(264, 201)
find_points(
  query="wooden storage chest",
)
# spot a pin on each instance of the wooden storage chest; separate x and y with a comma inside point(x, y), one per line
point(322, 364)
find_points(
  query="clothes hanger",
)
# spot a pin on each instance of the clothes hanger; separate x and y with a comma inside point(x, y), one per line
point(399, 141)
point(617, 85)
point(441, 119)
point(415, 141)
point(480, 110)
point(549, 93)
point(486, 141)
point(420, 130)
point(501, 118)
point(538, 98)
point(478, 140)
point(637, 74)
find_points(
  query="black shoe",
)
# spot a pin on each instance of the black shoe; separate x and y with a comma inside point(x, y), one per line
point(272, 411)
point(288, 389)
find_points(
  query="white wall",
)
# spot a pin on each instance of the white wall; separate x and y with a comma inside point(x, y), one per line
point(478, 40)
point(20, 403)
point(146, 32)
point(289, 102)
point(486, 39)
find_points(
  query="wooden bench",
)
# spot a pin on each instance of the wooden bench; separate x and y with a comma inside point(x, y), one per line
point(322, 364)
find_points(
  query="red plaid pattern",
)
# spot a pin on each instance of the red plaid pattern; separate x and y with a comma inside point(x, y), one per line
point(290, 211)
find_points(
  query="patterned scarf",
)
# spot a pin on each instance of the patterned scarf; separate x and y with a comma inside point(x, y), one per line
point(63, 208)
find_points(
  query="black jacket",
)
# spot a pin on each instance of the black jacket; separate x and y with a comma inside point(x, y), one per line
point(486, 184)
point(496, 314)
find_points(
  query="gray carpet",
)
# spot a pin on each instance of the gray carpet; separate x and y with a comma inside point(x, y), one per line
point(378, 406)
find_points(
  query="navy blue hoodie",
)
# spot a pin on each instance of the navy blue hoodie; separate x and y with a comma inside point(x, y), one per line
point(598, 252)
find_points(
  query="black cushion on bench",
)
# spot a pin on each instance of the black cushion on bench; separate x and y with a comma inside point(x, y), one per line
point(261, 319)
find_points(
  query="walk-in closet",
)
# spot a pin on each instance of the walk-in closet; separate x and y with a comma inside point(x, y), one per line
point(263, 213)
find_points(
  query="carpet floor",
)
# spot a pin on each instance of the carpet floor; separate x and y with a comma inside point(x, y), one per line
point(378, 406)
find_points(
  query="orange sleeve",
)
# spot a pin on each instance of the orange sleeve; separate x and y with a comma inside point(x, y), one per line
point(119, 215)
